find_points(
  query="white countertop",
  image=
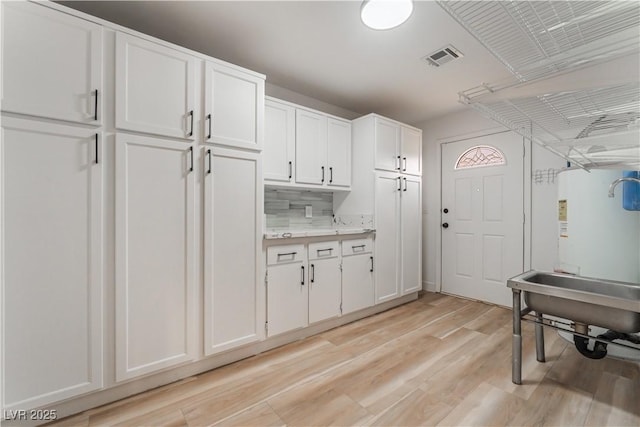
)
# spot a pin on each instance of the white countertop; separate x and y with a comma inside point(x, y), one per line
point(289, 234)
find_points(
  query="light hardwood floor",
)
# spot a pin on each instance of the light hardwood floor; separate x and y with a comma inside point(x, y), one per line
point(439, 360)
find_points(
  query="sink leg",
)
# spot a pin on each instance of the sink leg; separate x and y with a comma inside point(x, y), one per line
point(539, 338)
point(516, 351)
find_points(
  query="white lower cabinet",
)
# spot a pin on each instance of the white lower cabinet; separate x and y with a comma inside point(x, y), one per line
point(52, 195)
point(287, 290)
point(155, 254)
point(232, 236)
point(325, 284)
point(357, 275)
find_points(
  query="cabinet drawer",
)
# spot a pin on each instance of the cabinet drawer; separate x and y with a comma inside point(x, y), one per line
point(356, 247)
point(323, 250)
point(285, 254)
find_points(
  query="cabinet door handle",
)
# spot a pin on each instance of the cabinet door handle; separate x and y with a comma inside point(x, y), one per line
point(405, 184)
point(209, 120)
point(302, 282)
point(209, 157)
point(399, 184)
point(313, 273)
point(96, 147)
point(191, 128)
point(404, 163)
point(191, 157)
point(330, 175)
point(322, 167)
point(290, 170)
point(398, 163)
point(371, 269)
point(95, 107)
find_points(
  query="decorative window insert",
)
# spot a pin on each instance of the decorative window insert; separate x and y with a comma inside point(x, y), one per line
point(480, 156)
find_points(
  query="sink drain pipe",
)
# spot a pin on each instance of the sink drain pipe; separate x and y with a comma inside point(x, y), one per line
point(600, 348)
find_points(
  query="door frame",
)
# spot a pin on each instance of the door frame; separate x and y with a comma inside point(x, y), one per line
point(526, 187)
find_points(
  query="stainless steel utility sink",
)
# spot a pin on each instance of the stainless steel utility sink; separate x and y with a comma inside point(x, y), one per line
point(606, 303)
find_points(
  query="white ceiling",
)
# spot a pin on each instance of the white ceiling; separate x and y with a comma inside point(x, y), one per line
point(322, 50)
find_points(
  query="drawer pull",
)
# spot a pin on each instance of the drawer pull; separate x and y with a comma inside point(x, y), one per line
point(290, 254)
point(324, 250)
point(357, 248)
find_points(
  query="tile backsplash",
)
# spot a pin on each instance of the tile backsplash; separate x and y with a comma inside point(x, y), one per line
point(285, 209)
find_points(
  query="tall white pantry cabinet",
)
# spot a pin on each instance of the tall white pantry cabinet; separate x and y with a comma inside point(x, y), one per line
point(386, 183)
point(131, 215)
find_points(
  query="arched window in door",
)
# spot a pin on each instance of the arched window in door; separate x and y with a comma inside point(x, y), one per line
point(480, 156)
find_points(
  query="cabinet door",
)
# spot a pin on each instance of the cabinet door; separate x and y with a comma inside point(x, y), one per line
point(339, 152)
point(387, 221)
point(411, 151)
point(387, 136)
point(357, 282)
point(155, 247)
point(232, 227)
point(279, 142)
point(325, 285)
point(411, 235)
point(234, 107)
point(51, 65)
point(52, 258)
point(287, 297)
point(155, 88)
point(311, 148)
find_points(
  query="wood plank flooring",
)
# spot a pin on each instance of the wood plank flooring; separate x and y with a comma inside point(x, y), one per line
point(439, 360)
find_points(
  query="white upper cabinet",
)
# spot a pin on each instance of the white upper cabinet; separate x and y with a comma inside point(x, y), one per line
point(387, 145)
point(232, 245)
point(279, 142)
point(339, 152)
point(311, 148)
point(155, 88)
point(51, 64)
point(234, 107)
point(306, 148)
point(155, 254)
point(397, 147)
point(411, 151)
point(51, 242)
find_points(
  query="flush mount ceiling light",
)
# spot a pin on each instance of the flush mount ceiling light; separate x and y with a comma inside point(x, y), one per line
point(385, 14)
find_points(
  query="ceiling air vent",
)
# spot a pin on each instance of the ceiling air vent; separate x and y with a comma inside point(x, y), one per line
point(442, 56)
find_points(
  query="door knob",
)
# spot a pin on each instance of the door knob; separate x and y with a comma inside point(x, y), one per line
point(445, 225)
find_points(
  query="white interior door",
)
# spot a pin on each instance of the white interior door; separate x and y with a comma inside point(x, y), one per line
point(482, 216)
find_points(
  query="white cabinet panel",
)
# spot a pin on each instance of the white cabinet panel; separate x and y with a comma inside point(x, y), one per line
point(357, 275)
point(51, 64)
point(232, 221)
point(311, 147)
point(287, 290)
point(52, 258)
point(155, 88)
point(339, 152)
point(387, 144)
point(411, 151)
point(411, 235)
point(234, 107)
point(155, 248)
point(325, 285)
point(279, 142)
point(387, 220)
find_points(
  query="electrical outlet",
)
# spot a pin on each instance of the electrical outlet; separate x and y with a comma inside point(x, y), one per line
point(308, 211)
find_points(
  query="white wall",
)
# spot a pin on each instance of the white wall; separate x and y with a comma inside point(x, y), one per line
point(309, 102)
point(544, 242)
